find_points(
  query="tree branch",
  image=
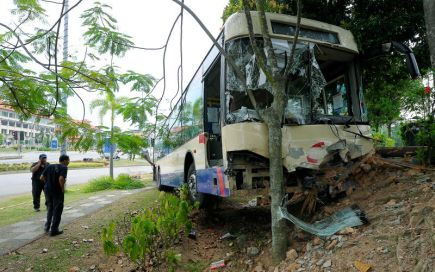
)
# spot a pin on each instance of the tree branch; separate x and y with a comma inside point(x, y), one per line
point(266, 37)
point(230, 61)
point(292, 54)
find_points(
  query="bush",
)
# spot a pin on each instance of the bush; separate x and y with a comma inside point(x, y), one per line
point(98, 184)
point(122, 182)
point(382, 140)
point(147, 236)
point(421, 133)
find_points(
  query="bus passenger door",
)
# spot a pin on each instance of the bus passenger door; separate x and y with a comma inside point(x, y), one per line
point(212, 124)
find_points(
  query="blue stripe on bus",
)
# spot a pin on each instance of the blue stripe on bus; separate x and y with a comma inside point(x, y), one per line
point(208, 181)
point(175, 179)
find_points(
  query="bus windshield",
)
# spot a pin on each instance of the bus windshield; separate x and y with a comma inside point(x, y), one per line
point(323, 86)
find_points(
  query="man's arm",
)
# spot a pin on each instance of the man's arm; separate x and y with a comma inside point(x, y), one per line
point(43, 174)
point(62, 183)
point(62, 178)
point(35, 167)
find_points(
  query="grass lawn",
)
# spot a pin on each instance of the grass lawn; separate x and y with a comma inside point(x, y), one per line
point(18, 208)
point(124, 162)
point(68, 250)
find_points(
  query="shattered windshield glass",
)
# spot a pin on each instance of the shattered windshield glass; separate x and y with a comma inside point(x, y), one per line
point(309, 95)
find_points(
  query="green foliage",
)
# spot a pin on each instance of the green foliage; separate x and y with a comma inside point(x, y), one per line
point(421, 133)
point(382, 140)
point(126, 182)
point(237, 6)
point(102, 34)
point(122, 182)
point(98, 184)
point(426, 137)
point(153, 231)
point(107, 238)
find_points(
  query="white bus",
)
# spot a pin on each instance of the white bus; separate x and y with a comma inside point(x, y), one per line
point(217, 145)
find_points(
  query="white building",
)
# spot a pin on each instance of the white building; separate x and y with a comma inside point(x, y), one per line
point(33, 131)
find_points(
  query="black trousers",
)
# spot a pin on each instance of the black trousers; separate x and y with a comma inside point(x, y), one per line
point(54, 201)
point(37, 187)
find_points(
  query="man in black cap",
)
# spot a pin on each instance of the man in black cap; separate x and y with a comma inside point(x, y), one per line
point(37, 184)
point(54, 177)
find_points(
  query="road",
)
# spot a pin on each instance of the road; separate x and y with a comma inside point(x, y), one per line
point(52, 156)
point(14, 184)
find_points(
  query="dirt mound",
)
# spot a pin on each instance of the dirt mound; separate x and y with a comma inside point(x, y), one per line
point(397, 197)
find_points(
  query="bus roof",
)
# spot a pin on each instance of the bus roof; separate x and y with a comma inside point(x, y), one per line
point(282, 26)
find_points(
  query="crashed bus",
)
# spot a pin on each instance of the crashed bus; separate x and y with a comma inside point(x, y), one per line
point(215, 141)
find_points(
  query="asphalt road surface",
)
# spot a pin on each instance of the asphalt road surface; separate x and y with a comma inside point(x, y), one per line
point(14, 184)
point(52, 156)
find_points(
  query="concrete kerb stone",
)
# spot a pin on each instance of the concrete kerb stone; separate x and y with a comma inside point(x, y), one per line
point(19, 234)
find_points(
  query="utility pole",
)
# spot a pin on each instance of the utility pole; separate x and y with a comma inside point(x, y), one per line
point(64, 145)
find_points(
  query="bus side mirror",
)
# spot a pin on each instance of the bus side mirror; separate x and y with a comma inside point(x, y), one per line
point(411, 62)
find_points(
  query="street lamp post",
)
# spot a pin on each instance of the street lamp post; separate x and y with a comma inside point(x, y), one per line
point(64, 145)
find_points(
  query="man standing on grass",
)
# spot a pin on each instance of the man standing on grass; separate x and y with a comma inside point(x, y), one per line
point(37, 184)
point(54, 177)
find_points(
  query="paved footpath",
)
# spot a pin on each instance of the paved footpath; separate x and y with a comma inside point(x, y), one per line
point(19, 234)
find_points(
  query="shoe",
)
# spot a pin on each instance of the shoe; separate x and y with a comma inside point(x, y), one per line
point(56, 232)
point(46, 230)
point(36, 209)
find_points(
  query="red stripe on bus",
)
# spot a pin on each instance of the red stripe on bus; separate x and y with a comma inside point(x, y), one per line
point(221, 182)
point(311, 160)
point(319, 144)
point(202, 138)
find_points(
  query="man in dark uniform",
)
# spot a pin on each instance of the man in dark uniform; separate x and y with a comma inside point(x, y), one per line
point(54, 177)
point(37, 184)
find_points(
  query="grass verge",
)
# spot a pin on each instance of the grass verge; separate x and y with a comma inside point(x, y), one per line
point(18, 208)
point(14, 167)
point(63, 254)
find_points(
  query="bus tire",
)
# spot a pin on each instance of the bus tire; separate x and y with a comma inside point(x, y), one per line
point(192, 186)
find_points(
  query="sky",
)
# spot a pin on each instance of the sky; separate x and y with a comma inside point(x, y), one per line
point(148, 23)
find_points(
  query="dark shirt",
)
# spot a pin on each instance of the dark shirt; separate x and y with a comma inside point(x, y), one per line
point(38, 173)
point(52, 174)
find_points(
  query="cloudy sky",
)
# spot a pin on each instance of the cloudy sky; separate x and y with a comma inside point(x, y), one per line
point(148, 23)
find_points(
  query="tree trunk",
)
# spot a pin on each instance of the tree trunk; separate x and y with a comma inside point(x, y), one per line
point(279, 233)
point(273, 118)
point(429, 17)
point(389, 130)
point(112, 120)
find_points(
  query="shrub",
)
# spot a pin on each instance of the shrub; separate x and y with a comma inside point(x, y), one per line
point(122, 182)
point(125, 182)
point(382, 140)
point(147, 236)
point(98, 184)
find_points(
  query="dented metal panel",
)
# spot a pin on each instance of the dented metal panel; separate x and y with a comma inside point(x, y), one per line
point(308, 146)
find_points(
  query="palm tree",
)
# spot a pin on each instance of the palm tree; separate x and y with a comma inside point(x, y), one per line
point(110, 104)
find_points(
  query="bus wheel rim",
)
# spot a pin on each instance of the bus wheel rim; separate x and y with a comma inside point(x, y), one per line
point(192, 186)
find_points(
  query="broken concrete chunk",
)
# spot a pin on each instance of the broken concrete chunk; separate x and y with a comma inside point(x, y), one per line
point(291, 255)
point(327, 264)
point(331, 245)
point(253, 251)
